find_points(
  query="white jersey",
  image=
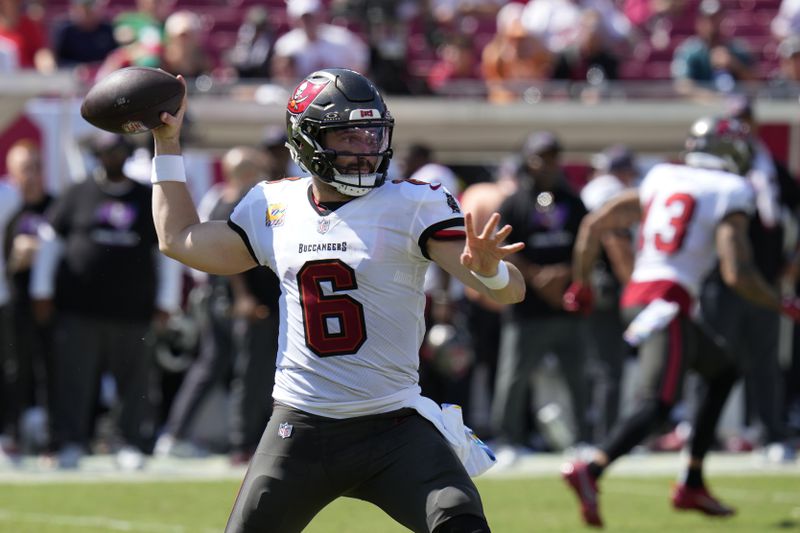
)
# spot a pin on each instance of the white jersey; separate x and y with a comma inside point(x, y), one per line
point(600, 190)
point(352, 304)
point(682, 207)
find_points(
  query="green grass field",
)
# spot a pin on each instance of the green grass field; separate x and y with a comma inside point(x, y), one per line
point(514, 505)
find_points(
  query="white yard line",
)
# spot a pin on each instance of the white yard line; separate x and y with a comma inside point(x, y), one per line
point(103, 523)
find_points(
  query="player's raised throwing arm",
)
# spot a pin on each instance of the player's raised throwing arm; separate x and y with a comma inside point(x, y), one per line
point(209, 246)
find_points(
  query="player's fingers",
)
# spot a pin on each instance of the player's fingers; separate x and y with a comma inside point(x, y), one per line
point(468, 225)
point(490, 226)
point(185, 101)
point(511, 248)
point(168, 119)
point(503, 233)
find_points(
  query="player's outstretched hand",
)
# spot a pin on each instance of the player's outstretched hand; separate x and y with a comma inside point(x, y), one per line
point(169, 133)
point(482, 252)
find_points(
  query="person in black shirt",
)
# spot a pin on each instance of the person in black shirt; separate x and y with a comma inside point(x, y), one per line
point(545, 215)
point(31, 339)
point(103, 249)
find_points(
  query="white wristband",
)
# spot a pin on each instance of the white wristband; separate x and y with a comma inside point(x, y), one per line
point(168, 168)
point(499, 280)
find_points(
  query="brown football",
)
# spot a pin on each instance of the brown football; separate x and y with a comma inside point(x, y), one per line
point(131, 100)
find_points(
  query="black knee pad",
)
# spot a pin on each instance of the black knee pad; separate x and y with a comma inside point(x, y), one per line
point(465, 523)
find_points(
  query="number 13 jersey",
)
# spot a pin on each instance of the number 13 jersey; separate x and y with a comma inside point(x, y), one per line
point(352, 303)
point(682, 207)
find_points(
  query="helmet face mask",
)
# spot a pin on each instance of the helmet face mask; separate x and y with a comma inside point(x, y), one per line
point(722, 143)
point(340, 130)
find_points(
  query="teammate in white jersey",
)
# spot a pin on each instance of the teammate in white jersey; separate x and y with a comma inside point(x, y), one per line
point(351, 253)
point(691, 216)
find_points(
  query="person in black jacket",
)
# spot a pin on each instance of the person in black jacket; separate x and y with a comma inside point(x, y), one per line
point(545, 214)
point(96, 275)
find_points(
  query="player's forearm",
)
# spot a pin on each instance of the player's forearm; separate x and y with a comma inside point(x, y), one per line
point(585, 251)
point(173, 214)
point(512, 293)
point(737, 266)
point(748, 283)
point(164, 145)
point(620, 254)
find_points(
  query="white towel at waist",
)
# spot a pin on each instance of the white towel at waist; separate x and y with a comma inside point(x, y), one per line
point(476, 457)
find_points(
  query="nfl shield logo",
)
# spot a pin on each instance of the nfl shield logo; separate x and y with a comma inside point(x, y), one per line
point(285, 430)
point(323, 225)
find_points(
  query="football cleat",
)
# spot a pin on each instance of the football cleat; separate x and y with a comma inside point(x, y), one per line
point(688, 498)
point(585, 486)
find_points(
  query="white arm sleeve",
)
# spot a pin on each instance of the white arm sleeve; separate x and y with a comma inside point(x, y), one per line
point(43, 272)
point(170, 284)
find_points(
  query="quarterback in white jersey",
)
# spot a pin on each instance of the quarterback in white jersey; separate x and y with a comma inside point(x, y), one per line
point(352, 289)
point(350, 252)
point(691, 216)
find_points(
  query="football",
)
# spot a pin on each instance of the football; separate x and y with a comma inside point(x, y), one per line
point(131, 99)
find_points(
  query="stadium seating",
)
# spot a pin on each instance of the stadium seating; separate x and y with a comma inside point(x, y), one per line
point(745, 19)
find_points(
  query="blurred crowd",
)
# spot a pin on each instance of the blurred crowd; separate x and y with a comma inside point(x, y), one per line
point(504, 50)
point(109, 347)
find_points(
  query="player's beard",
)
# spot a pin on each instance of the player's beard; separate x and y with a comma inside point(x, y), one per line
point(362, 166)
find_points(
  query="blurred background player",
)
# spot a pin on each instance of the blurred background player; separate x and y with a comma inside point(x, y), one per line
point(691, 215)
